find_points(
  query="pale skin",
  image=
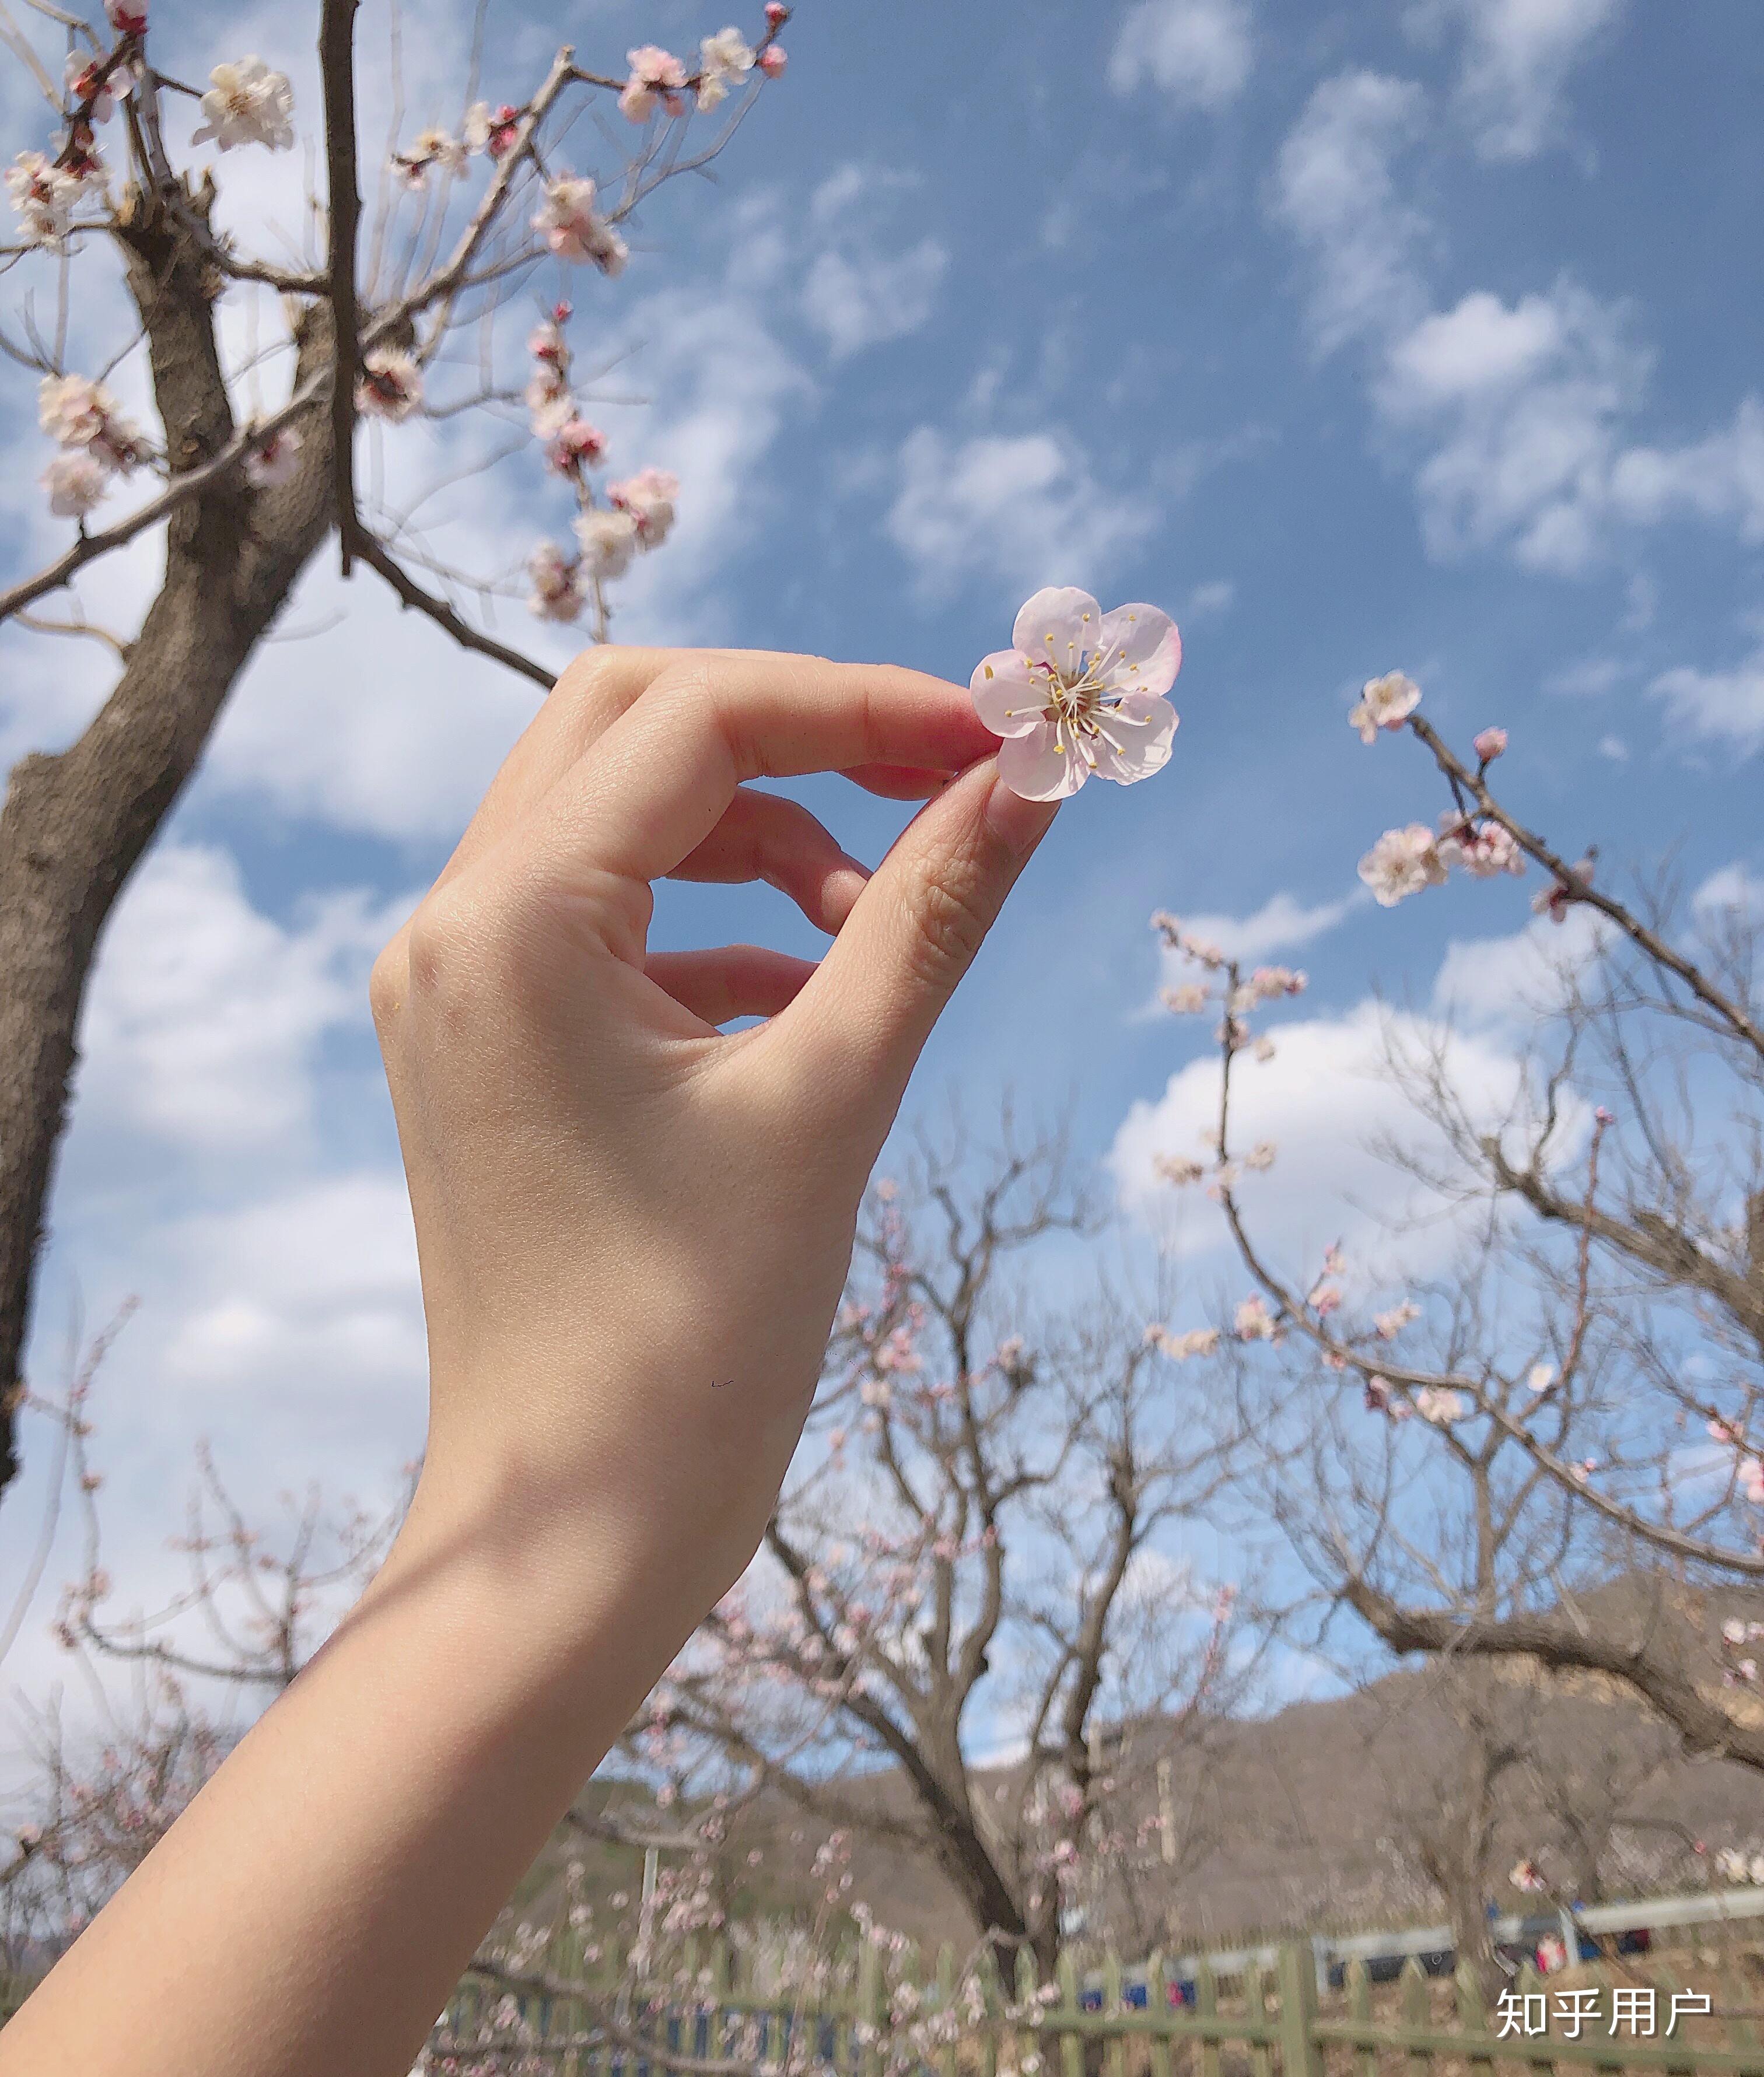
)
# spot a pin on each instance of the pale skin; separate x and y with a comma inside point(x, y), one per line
point(633, 1230)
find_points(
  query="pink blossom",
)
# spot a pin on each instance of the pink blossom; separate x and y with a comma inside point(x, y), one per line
point(722, 58)
point(656, 74)
point(273, 461)
point(1261, 1155)
point(1185, 1000)
point(1554, 901)
point(1489, 744)
point(128, 18)
point(247, 103)
point(777, 12)
point(1540, 1377)
point(556, 593)
point(1402, 862)
point(1252, 1321)
point(1440, 1405)
point(1527, 1876)
point(1193, 1341)
point(573, 229)
point(435, 147)
point(1080, 695)
point(1484, 849)
point(771, 60)
point(648, 497)
point(1378, 1393)
point(390, 386)
point(492, 129)
point(44, 195)
point(1389, 1325)
point(93, 90)
point(1263, 1049)
point(82, 413)
point(1324, 1299)
point(1385, 702)
point(76, 481)
point(573, 446)
point(1177, 1168)
point(1267, 983)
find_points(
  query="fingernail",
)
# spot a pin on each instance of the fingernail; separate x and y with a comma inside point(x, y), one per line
point(1019, 824)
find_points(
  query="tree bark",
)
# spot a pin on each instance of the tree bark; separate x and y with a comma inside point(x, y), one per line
point(74, 825)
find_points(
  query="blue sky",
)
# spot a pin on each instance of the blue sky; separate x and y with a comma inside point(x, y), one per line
point(1357, 336)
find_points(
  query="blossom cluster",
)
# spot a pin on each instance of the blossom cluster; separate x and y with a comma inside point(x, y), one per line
point(657, 79)
point(98, 444)
point(1407, 859)
point(637, 513)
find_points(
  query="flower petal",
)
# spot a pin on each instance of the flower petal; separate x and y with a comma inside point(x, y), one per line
point(1135, 740)
point(1008, 697)
point(1138, 650)
point(1057, 627)
point(1037, 767)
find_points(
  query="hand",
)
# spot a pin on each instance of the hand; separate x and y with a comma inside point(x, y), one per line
point(633, 1230)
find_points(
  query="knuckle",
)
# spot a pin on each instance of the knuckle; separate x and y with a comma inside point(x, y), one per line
point(452, 947)
point(952, 916)
point(387, 982)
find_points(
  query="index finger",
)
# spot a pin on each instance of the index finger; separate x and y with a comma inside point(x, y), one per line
point(655, 784)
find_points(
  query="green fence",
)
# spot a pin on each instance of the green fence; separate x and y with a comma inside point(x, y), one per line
point(1145, 2023)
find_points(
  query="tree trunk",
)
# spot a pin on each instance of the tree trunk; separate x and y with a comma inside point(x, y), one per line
point(73, 826)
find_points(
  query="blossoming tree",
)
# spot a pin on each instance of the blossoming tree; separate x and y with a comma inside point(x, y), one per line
point(1551, 1455)
point(119, 190)
point(968, 1557)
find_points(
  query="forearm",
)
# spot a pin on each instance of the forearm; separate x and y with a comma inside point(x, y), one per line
point(314, 1907)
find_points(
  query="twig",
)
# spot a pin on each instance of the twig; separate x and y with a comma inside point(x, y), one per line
point(376, 558)
point(337, 67)
point(103, 635)
point(1650, 941)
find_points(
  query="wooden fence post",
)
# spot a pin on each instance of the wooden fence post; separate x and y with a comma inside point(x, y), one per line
point(872, 2009)
point(1300, 2055)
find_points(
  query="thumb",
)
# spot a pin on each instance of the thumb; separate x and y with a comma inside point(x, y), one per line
point(855, 1032)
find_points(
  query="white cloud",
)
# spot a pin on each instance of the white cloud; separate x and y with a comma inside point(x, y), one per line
point(1735, 890)
point(1197, 52)
point(1330, 1102)
point(1333, 1102)
point(1517, 55)
point(1026, 510)
point(1614, 747)
point(1207, 599)
point(1590, 678)
point(1334, 190)
point(857, 293)
point(1717, 707)
point(203, 1015)
point(1516, 413)
point(1484, 982)
point(1281, 924)
point(1720, 477)
point(1521, 404)
point(1516, 416)
point(311, 1294)
point(863, 300)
